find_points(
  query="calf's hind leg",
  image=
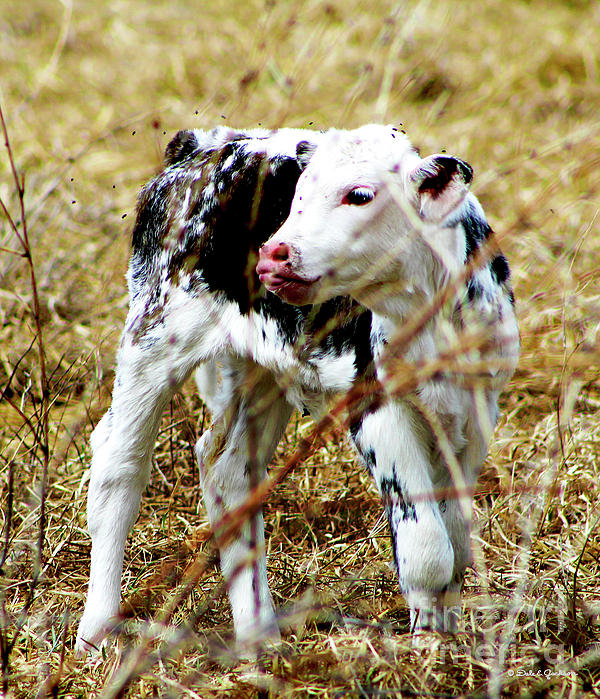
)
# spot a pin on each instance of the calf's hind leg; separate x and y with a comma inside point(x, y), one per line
point(232, 457)
point(122, 446)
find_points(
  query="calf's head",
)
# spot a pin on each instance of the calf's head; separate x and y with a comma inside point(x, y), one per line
point(367, 210)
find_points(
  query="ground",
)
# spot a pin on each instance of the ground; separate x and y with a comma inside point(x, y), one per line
point(91, 92)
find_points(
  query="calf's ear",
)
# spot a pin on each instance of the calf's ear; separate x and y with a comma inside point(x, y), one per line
point(441, 182)
point(304, 152)
point(183, 144)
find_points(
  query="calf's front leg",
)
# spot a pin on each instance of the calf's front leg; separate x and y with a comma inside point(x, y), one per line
point(396, 448)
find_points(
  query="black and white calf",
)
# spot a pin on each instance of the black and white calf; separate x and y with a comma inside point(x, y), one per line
point(358, 235)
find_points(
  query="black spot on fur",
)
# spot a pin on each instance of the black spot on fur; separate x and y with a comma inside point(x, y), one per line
point(148, 230)
point(500, 269)
point(477, 230)
point(474, 290)
point(370, 459)
point(466, 171)
point(355, 427)
point(210, 211)
point(341, 325)
point(434, 184)
point(395, 553)
point(289, 319)
point(363, 348)
point(333, 328)
point(393, 496)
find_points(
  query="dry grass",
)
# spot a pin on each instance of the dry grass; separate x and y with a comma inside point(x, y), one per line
point(91, 94)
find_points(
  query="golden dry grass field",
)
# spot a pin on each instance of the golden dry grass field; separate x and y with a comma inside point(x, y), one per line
point(91, 93)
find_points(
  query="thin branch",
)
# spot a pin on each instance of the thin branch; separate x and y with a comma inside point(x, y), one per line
point(40, 431)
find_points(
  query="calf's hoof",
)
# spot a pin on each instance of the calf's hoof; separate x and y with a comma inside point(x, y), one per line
point(92, 633)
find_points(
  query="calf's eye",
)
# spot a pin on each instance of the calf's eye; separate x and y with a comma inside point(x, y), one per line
point(359, 196)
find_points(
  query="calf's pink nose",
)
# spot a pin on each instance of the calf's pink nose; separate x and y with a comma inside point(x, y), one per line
point(279, 252)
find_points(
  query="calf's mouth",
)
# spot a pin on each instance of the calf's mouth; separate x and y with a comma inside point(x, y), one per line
point(277, 277)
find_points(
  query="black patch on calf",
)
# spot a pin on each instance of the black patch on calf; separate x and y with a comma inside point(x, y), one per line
point(474, 290)
point(257, 204)
point(466, 170)
point(250, 201)
point(289, 319)
point(434, 184)
point(395, 552)
point(341, 325)
point(370, 460)
point(363, 348)
point(392, 494)
point(333, 328)
point(148, 230)
point(210, 211)
point(500, 269)
point(354, 429)
point(477, 231)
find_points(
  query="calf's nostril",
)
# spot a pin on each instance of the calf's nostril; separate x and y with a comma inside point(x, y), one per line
point(281, 252)
point(276, 252)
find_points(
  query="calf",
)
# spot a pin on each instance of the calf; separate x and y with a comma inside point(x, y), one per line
point(379, 286)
